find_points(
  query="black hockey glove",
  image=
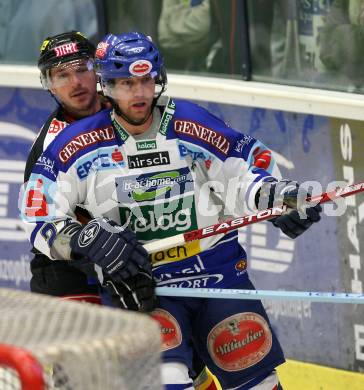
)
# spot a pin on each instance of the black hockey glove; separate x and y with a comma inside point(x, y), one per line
point(297, 219)
point(115, 250)
point(135, 293)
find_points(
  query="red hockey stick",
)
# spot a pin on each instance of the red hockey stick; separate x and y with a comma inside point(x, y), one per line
point(236, 223)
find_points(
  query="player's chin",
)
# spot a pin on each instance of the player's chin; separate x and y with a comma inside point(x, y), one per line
point(139, 116)
point(138, 120)
point(83, 103)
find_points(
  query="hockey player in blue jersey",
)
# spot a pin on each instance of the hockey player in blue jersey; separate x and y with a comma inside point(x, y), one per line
point(151, 168)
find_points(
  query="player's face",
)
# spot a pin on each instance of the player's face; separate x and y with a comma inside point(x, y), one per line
point(134, 96)
point(75, 88)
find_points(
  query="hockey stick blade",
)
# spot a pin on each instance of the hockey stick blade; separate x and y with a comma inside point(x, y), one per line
point(216, 293)
point(232, 224)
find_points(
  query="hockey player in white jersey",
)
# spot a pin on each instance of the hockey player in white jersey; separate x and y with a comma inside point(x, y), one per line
point(151, 168)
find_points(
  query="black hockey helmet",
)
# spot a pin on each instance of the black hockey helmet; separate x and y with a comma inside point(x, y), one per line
point(70, 48)
point(64, 47)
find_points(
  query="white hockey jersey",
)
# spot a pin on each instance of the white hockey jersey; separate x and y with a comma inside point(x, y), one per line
point(196, 172)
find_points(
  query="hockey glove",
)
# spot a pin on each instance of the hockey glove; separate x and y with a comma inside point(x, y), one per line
point(115, 250)
point(298, 218)
point(135, 293)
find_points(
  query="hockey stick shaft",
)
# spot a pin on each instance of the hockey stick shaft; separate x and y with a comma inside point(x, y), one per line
point(236, 223)
point(260, 294)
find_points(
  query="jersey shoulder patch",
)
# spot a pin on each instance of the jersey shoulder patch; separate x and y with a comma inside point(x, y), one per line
point(56, 126)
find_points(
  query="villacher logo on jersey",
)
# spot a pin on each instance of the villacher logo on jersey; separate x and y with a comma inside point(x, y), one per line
point(148, 160)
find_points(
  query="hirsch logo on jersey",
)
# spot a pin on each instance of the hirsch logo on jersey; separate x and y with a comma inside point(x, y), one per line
point(67, 48)
point(197, 131)
point(88, 234)
point(83, 140)
point(148, 160)
point(56, 126)
point(239, 341)
point(140, 67)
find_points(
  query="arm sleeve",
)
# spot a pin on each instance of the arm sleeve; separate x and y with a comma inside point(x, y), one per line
point(39, 144)
point(248, 164)
point(48, 200)
point(35, 151)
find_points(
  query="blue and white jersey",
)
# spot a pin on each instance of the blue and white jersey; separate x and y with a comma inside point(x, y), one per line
point(197, 171)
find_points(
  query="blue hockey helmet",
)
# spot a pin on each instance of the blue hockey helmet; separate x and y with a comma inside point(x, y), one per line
point(129, 55)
